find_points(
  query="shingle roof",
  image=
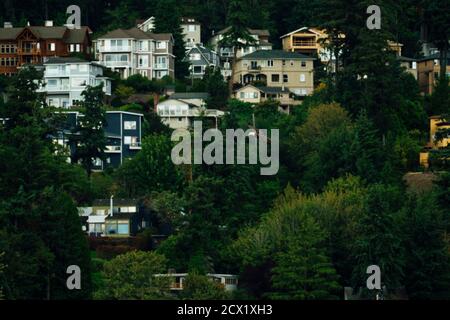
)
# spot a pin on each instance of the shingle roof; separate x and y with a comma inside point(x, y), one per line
point(273, 89)
point(276, 54)
point(58, 60)
point(190, 95)
point(135, 33)
point(259, 32)
point(76, 35)
point(116, 202)
point(267, 89)
point(9, 33)
point(68, 35)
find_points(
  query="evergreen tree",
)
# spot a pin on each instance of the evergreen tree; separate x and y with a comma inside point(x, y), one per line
point(427, 269)
point(41, 232)
point(89, 135)
point(367, 150)
point(237, 36)
point(304, 271)
point(167, 20)
point(377, 242)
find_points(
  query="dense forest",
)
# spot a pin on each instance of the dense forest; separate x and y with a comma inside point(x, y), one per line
point(338, 204)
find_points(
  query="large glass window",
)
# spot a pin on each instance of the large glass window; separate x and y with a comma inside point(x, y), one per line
point(129, 125)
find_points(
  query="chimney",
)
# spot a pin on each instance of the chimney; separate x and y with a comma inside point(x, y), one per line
point(7, 24)
point(48, 23)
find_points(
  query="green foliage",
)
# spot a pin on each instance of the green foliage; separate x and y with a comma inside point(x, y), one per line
point(150, 170)
point(304, 271)
point(428, 261)
point(131, 276)
point(89, 134)
point(167, 20)
point(377, 241)
point(41, 231)
point(200, 287)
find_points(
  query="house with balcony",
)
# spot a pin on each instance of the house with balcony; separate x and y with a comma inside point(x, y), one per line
point(115, 217)
point(192, 32)
point(437, 123)
point(182, 109)
point(276, 69)
point(133, 51)
point(200, 58)
point(36, 44)
point(308, 41)
point(255, 95)
point(123, 132)
point(226, 53)
point(229, 282)
point(66, 78)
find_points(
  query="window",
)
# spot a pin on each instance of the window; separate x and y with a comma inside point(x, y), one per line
point(303, 64)
point(194, 56)
point(51, 46)
point(197, 69)
point(275, 78)
point(129, 125)
point(284, 62)
point(161, 45)
point(191, 27)
point(143, 61)
point(129, 140)
point(270, 63)
point(77, 48)
point(285, 78)
point(52, 83)
point(302, 77)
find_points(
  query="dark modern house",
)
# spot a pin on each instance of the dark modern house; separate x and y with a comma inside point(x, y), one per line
point(123, 131)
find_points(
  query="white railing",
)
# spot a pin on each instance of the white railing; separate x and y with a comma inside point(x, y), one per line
point(114, 48)
point(160, 66)
point(116, 63)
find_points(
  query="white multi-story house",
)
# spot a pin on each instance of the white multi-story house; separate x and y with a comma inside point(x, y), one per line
point(66, 78)
point(182, 109)
point(226, 53)
point(134, 51)
point(191, 32)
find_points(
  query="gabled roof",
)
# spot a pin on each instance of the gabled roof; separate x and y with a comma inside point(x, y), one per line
point(259, 32)
point(270, 90)
point(190, 95)
point(9, 33)
point(64, 33)
point(276, 54)
point(312, 30)
point(77, 35)
point(116, 202)
point(135, 33)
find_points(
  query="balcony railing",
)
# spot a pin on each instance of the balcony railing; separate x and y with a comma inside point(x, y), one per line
point(112, 149)
point(114, 48)
point(23, 51)
point(135, 145)
point(160, 66)
point(254, 68)
point(304, 43)
point(58, 88)
point(116, 63)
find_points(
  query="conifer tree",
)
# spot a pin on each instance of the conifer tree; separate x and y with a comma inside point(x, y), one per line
point(89, 134)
